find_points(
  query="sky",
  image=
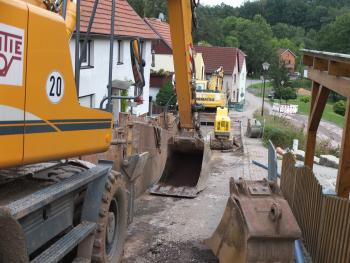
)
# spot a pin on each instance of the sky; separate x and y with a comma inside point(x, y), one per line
point(217, 2)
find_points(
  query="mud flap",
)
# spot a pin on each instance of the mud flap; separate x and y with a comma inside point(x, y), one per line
point(257, 225)
point(187, 168)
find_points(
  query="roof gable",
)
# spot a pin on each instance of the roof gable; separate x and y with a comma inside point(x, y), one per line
point(127, 21)
point(281, 51)
point(162, 29)
point(215, 57)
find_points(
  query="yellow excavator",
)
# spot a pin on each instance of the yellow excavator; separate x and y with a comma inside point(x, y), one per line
point(52, 210)
point(211, 93)
point(222, 139)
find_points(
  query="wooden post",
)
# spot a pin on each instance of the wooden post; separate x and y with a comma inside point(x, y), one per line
point(311, 137)
point(318, 106)
point(343, 179)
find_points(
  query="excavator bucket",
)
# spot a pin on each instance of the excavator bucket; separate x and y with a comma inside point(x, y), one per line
point(257, 225)
point(187, 168)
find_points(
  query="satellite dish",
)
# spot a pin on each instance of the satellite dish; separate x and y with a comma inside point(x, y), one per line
point(161, 17)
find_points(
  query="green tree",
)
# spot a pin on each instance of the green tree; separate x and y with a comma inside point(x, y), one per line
point(165, 94)
point(231, 41)
point(286, 94)
point(278, 74)
point(335, 36)
point(255, 38)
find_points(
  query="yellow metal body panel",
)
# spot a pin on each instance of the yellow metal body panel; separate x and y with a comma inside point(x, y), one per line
point(180, 19)
point(222, 121)
point(11, 147)
point(212, 96)
point(211, 100)
point(48, 129)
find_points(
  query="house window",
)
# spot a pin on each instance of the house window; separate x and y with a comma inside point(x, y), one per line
point(87, 101)
point(235, 78)
point(87, 57)
point(120, 52)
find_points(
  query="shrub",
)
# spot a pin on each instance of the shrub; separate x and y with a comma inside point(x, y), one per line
point(281, 132)
point(339, 107)
point(165, 94)
point(305, 99)
point(301, 83)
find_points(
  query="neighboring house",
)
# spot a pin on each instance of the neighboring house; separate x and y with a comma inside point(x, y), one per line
point(163, 66)
point(94, 72)
point(288, 57)
point(233, 60)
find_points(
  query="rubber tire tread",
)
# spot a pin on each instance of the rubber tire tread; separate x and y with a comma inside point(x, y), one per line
point(115, 187)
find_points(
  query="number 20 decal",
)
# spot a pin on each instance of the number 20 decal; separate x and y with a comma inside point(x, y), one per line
point(55, 87)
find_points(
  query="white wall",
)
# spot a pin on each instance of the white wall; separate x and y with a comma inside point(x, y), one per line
point(164, 62)
point(235, 85)
point(153, 92)
point(242, 82)
point(94, 80)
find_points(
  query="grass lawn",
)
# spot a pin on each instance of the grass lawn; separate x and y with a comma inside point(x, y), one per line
point(304, 108)
point(257, 88)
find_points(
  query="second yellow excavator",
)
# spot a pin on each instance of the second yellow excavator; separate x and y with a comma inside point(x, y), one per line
point(210, 94)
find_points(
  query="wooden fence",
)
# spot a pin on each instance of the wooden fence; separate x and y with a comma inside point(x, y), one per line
point(323, 219)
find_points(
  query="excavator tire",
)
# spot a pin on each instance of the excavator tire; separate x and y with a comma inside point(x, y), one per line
point(111, 231)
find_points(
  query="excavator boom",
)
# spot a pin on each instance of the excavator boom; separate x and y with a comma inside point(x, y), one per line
point(180, 17)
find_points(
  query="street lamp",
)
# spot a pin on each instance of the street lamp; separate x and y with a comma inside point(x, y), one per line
point(282, 83)
point(266, 67)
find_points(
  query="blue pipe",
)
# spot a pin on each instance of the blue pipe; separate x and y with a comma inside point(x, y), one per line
point(264, 167)
point(298, 252)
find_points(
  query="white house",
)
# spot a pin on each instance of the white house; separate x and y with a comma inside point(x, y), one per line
point(94, 72)
point(233, 60)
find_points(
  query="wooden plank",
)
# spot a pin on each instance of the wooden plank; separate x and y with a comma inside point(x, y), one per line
point(339, 69)
point(318, 108)
point(321, 64)
point(343, 179)
point(337, 84)
point(344, 58)
point(311, 136)
point(308, 60)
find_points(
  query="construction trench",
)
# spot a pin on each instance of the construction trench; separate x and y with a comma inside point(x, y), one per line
point(172, 229)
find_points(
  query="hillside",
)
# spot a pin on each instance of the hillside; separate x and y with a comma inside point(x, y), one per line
point(260, 27)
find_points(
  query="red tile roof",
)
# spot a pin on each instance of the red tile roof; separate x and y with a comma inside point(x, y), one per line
point(282, 50)
point(127, 21)
point(215, 57)
point(162, 29)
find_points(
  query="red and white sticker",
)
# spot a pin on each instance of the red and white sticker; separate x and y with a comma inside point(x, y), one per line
point(11, 55)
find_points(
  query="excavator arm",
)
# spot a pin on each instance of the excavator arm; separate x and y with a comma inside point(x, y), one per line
point(181, 20)
point(185, 173)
